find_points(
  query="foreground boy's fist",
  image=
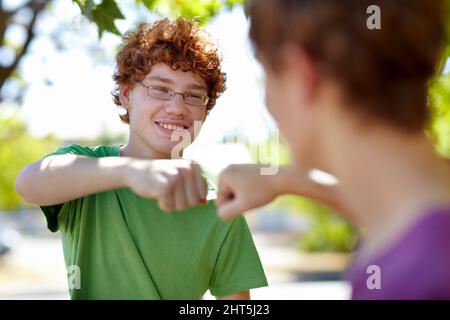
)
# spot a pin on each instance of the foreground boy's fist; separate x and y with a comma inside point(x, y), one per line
point(241, 188)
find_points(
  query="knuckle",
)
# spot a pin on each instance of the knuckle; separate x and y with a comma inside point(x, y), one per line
point(192, 201)
point(178, 181)
point(173, 180)
point(230, 169)
point(195, 166)
point(165, 189)
point(188, 173)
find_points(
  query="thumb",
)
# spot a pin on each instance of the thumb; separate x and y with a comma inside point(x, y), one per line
point(229, 209)
point(223, 197)
point(224, 193)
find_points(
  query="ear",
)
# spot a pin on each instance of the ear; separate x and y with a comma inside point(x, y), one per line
point(302, 68)
point(124, 96)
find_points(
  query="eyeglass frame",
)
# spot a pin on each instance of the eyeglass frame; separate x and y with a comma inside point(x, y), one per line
point(172, 95)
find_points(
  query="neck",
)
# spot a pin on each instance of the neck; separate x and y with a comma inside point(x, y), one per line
point(388, 178)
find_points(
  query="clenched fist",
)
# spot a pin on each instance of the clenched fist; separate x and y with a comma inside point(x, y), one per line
point(242, 187)
point(175, 184)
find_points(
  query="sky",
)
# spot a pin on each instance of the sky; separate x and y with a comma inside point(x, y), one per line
point(69, 90)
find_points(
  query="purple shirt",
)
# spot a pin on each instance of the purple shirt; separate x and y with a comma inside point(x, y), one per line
point(416, 267)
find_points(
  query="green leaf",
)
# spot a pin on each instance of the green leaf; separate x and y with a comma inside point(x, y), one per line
point(202, 11)
point(105, 14)
point(85, 7)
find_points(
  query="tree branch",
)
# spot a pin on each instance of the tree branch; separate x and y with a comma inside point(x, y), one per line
point(37, 6)
point(4, 20)
point(25, 5)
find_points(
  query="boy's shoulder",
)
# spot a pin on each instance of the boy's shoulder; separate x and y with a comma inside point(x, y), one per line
point(97, 151)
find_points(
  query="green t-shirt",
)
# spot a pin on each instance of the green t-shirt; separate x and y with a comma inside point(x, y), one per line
point(118, 245)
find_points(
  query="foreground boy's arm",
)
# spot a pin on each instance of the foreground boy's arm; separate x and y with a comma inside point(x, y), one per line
point(176, 184)
point(242, 187)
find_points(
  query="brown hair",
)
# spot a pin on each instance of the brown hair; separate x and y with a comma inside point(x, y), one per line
point(180, 43)
point(384, 71)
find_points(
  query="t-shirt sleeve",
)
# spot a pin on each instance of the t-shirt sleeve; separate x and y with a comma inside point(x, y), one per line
point(52, 212)
point(238, 267)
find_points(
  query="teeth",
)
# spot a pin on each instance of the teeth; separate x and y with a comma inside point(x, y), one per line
point(170, 126)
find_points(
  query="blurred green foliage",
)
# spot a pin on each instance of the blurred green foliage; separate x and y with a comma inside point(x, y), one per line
point(439, 91)
point(106, 12)
point(327, 231)
point(17, 149)
point(440, 125)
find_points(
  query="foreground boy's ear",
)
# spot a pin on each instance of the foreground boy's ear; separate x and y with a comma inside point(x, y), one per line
point(301, 63)
point(124, 96)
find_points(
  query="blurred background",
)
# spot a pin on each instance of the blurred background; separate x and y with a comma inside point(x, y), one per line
point(57, 61)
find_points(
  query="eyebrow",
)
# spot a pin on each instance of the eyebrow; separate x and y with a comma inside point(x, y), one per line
point(169, 81)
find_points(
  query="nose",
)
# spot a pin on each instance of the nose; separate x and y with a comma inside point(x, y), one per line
point(176, 105)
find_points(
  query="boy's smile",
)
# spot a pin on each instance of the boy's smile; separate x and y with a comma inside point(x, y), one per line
point(167, 126)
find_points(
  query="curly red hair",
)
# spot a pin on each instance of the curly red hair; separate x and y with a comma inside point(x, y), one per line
point(179, 43)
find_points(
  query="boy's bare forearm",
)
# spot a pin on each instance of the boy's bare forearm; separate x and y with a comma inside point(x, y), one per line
point(293, 182)
point(60, 178)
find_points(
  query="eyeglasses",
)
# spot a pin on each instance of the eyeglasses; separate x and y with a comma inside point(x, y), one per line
point(163, 93)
